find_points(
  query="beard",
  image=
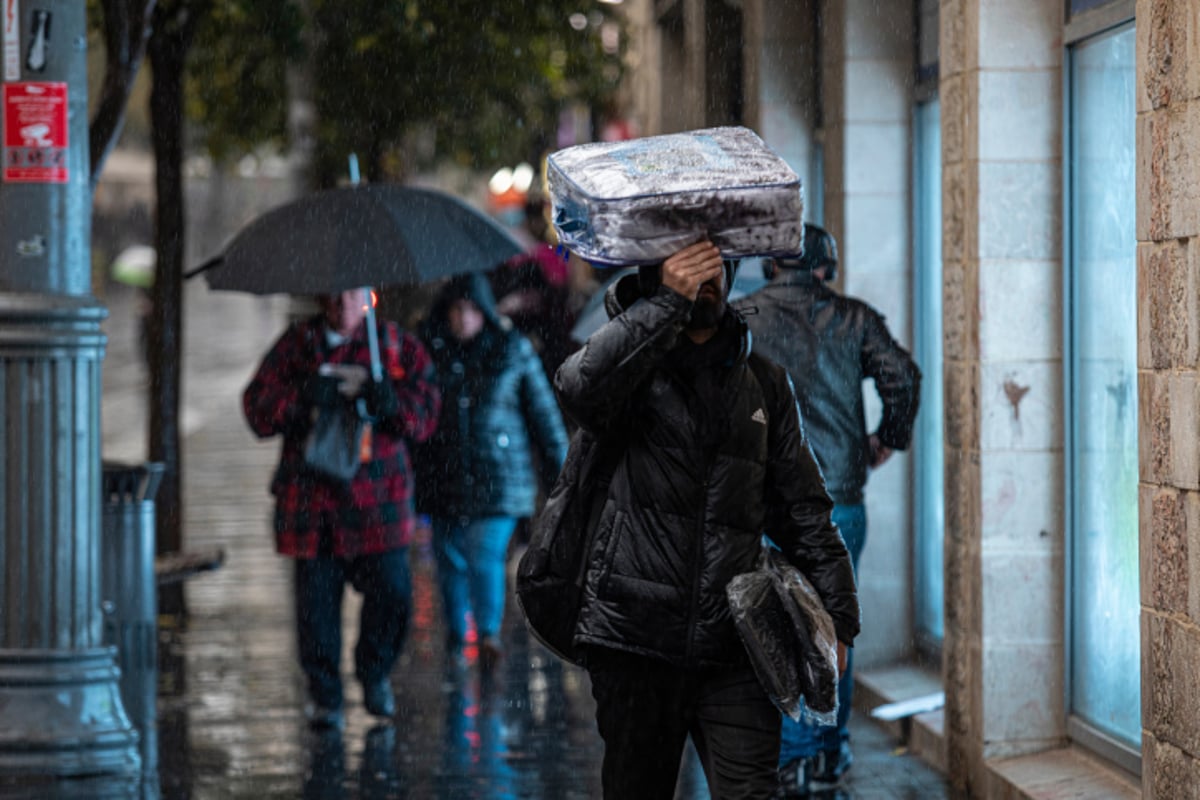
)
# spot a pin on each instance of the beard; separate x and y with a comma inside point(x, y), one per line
point(706, 313)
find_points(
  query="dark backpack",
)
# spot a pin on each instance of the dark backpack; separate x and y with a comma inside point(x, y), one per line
point(551, 573)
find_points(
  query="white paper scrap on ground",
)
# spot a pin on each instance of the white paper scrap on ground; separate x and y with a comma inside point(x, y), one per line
point(908, 708)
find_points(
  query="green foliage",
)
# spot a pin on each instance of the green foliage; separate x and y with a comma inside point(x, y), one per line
point(237, 73)
point(483, 82)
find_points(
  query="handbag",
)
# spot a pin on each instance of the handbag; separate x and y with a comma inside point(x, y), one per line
point(789, 637)
point(332, 449)
point(553, 569)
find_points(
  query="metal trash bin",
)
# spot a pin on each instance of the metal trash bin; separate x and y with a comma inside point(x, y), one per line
point(128, 593)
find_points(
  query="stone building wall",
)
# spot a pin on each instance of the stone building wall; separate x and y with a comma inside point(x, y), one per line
point(866, 83)
point(1168, 224)
point(1000, 90)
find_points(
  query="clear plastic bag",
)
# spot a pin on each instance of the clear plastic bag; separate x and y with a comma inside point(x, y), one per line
point(639, 201)
point(790, 638)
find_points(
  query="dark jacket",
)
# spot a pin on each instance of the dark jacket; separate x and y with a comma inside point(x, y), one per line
point(829, 344)
point(500, 427)
point(712, 458)
point(375, 513)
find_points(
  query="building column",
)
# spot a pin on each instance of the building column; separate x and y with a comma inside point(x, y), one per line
point(1168, 232)
point(60, 704)
point(1001, 99)
point(867, 78)
point(782, 90)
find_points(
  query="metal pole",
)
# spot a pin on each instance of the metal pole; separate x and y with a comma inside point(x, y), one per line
point(368, 299)
point(61, 714)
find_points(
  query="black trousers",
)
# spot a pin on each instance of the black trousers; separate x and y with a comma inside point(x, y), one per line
point(646, 709)
point(386, 587)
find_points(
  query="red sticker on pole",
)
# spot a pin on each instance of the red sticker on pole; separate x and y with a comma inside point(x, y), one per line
point(35, 133)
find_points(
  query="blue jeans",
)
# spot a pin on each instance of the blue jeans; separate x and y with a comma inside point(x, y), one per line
point(801, 738)
point(386, 586)
point(470, 559)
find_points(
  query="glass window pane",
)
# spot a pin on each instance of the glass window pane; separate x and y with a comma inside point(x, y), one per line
point(1105, 661)
point(1084, 5)
point(927, 334)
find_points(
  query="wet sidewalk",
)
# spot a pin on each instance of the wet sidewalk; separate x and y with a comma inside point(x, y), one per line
point(231, 693)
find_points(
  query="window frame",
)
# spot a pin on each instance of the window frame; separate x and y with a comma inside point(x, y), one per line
point(1104, 20)
point(928, 646)
point(1095, 21)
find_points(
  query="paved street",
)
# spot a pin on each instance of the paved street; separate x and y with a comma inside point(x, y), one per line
point(230, 722)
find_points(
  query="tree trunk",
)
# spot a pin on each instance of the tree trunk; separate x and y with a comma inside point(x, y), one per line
point(126, 29)
point(167, 52)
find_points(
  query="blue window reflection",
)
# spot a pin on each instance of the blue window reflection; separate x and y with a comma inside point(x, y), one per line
point(1104, 604)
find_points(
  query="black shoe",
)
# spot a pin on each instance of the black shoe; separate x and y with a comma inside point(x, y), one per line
point(830, 765)
point(378, 698)
point(807, 776)
point(324, 717)
point(794, 777)
point(490, 653)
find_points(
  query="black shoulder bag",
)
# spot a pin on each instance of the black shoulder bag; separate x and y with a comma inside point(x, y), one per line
point(551, 574)
point(332, 448)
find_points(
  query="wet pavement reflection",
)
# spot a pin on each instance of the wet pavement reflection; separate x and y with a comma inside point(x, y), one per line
point(523, 730)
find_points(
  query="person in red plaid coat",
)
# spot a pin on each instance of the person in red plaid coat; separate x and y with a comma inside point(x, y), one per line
point(338, 533)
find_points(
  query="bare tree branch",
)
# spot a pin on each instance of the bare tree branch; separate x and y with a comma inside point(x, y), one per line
point(126, 32)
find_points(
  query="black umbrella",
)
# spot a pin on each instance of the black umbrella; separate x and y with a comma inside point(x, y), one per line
point(365, 235)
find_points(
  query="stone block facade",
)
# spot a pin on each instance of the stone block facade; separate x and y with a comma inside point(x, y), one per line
point(1168, 202)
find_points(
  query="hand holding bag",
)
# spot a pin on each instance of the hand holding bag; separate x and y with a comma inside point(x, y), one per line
point(333, 447)
point(789, 637)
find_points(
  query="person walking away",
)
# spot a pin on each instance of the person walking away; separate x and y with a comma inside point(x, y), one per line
point(533, 290)
point(712, 455)
point(829, 345)
point(356, 533)
point(478, 473)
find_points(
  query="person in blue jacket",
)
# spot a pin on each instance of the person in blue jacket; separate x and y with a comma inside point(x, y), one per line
point(500, 431)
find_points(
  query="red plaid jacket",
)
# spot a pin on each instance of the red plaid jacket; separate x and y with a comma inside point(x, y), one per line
point(374, 513)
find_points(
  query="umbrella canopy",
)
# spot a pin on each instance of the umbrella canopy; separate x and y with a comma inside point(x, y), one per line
point(369, 235)
point(593, 314)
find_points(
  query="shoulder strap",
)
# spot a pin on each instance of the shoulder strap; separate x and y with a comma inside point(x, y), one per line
point(602, 464)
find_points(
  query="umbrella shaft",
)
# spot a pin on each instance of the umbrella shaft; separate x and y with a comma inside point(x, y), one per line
point(372, 337)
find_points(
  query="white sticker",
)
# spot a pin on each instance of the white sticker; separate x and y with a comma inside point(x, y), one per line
point(12, 40)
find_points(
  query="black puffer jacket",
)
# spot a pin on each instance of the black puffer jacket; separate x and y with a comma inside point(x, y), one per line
point(498, 410)
point(693, 492)
point(829, 344)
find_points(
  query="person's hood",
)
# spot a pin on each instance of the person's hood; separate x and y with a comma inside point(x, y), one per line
point(621, 294)
point(626, 290)
point(474, 287)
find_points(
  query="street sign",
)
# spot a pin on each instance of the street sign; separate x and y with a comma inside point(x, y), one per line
point(35, 132)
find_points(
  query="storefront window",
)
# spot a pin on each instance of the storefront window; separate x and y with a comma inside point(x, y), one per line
point(927, 329)
point(1105, 692)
